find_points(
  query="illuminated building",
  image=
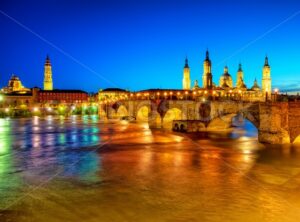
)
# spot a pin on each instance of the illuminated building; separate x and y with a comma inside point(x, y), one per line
point(226, 80)
point(255, 86)
point(62, 96)
point(48, 82)
point(207, 75)
point(15, 86)
point(19, 100)
point(266, 79)
point(186, 82)
point(240, 78)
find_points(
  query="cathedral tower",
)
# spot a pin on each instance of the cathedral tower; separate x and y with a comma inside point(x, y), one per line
point(207, 76)
point(186, 82)
point(240, 77)
point(266, 79)
point(48, 84)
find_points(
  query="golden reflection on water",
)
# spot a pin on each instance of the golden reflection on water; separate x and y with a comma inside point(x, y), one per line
point(143, 174)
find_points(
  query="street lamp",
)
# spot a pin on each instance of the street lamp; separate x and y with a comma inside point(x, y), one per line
point(276, 93)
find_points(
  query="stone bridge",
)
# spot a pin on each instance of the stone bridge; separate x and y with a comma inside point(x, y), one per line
point(277, 122)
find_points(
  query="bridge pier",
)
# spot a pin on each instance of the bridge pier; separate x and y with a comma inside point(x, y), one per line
point(273, 127)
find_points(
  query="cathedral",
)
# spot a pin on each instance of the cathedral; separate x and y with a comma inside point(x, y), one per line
point(226, 85)
point(15, 86)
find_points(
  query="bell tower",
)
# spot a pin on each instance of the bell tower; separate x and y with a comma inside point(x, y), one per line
point(240, 76)
point(48, 83)
point(266, 79)
point(207, 76)
point(186, 82)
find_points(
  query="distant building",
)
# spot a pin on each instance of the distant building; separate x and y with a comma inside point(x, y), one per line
point(226, 80)
point(186, 82)
point(266, 79)
point(19, 100)
point(62, 96)
point(207, 74)
point(48, 82)
point(15, 86)
point(226, 87)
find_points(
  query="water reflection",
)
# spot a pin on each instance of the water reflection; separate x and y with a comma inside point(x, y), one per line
point(143, 174)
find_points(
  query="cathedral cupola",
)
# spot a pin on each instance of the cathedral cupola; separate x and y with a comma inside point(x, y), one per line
point(225, 79)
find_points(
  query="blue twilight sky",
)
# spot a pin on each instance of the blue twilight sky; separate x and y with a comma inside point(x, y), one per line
point(139, 44)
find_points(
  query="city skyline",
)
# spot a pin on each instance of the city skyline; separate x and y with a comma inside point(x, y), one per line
point(142, 59)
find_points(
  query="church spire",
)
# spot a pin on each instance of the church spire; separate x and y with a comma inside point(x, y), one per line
point(267, 61)
point(47, 63)
point(207, 55)
point(240, 68)
point(186, 63)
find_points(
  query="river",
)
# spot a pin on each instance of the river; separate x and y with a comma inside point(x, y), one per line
point(83, 169)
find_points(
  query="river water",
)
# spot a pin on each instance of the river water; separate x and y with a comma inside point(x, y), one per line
point(82, 169)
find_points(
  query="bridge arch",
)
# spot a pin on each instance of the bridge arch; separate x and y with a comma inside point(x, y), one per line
point(170, 115)
point(142, 114)
point(122, 111)
point(296, 140)
point(225, 121)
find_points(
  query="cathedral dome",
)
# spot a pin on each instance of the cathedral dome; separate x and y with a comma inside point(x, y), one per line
point(225, 79)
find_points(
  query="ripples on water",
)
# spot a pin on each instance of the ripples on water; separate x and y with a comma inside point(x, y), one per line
point(79, 168)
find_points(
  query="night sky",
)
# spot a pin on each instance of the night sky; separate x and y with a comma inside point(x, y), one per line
point(142, 44)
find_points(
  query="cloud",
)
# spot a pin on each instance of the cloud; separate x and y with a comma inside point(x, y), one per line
point(288, 86)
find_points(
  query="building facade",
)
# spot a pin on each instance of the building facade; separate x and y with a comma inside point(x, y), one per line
point(62, 96)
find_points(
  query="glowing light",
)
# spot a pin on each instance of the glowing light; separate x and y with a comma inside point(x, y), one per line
point(35, 109)
point(276, 90)
point(49, 109)
point(186, 92)
point(6, 110)
point(205, 92)
point(1, 98)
